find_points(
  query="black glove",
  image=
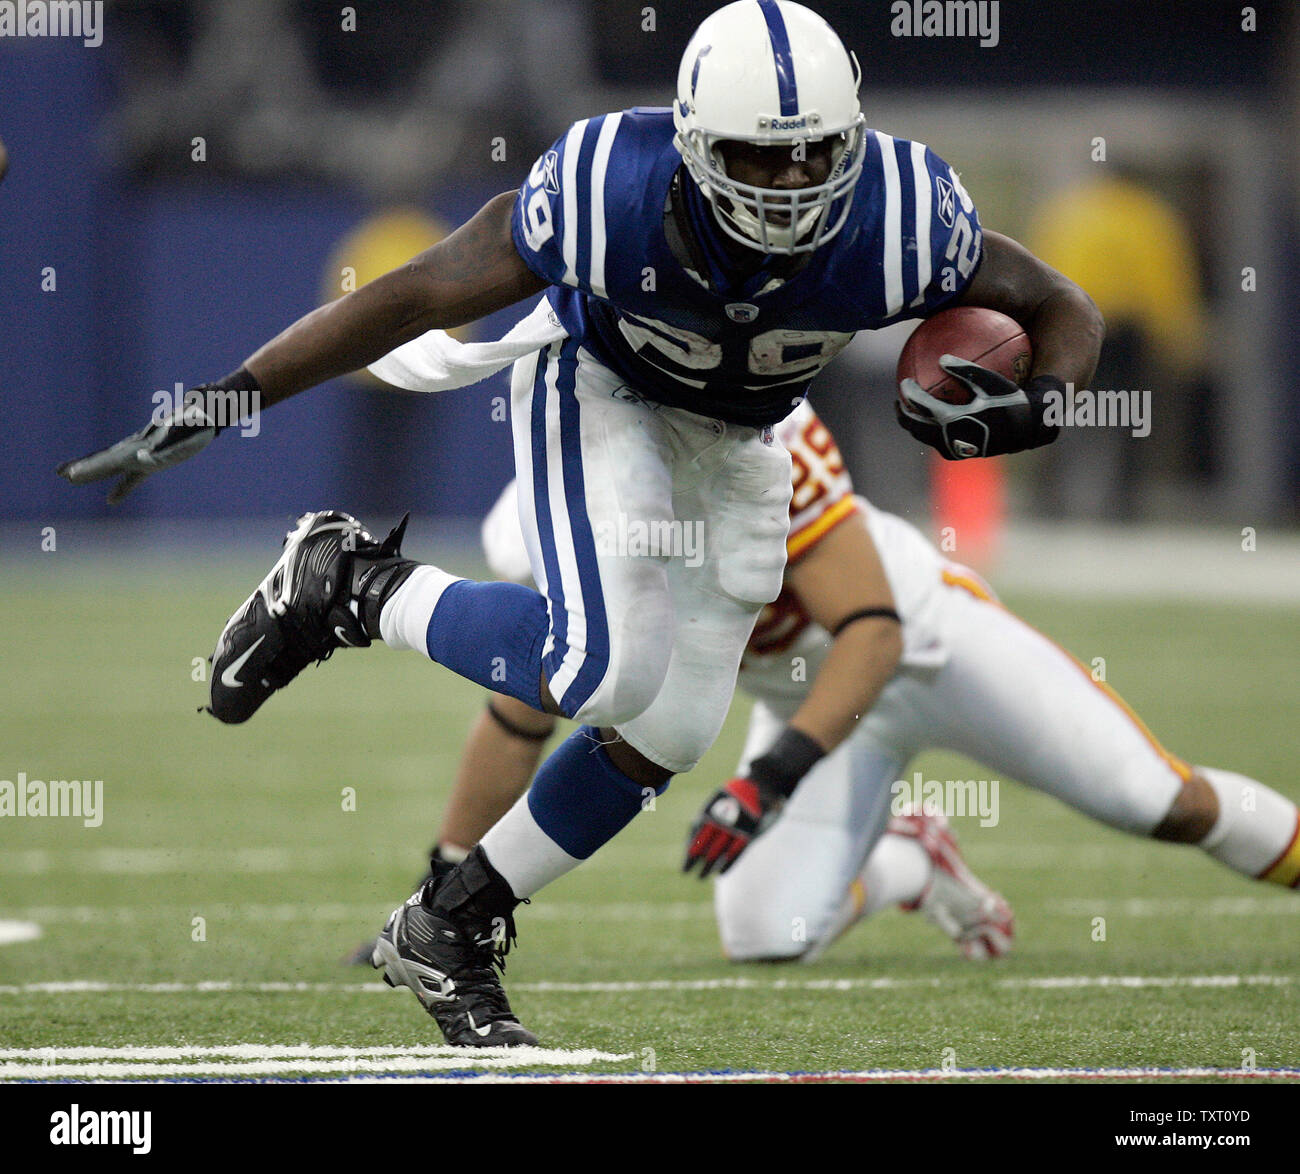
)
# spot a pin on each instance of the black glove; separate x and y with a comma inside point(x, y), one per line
point(160, 443)
point(1001, 418)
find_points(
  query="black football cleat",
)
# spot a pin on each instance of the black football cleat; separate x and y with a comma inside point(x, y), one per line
point(446, 945)
point(439, 866)
point(323, 593)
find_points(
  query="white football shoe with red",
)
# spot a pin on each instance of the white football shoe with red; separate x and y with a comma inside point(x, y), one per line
point(956, 900)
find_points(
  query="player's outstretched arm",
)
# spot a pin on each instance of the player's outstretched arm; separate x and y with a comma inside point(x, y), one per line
point(842, 585)
point(474, 272)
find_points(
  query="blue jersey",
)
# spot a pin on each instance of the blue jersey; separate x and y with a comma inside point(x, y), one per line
point(590, 220)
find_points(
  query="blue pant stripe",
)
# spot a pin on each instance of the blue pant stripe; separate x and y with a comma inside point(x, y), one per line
point(595, 651)
point(596, 662)
point(542, 505)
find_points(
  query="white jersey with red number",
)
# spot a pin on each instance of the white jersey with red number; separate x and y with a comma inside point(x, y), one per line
point(974, 679)
point(787, 648)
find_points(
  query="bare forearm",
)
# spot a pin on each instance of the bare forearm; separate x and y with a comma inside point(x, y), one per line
point(856, 670)
point(1066, 333)
point(472, 273)
point(1063, 324)
point(342, 336)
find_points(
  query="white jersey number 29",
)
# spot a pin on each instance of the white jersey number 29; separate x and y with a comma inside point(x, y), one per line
point(964, 245)
point(796, 353)
point(539, 226)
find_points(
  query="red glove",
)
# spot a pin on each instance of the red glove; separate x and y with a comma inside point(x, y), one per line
point(730, 820)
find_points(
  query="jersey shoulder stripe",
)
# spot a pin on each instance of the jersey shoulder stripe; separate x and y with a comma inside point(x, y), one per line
point(586, 154)
point(586, 185)
point(801, 541)
point(892, 238)
point(922, 212)
point(571, 228)
point(919, 228)
point(599, 174)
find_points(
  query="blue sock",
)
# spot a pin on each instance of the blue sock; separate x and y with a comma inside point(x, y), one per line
point(580, 798)
point(493, 634)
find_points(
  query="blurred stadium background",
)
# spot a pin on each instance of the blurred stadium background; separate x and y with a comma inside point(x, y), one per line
point(215, 169)
point(208, 173)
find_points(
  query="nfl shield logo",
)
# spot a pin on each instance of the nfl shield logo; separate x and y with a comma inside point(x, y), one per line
point(741, 312)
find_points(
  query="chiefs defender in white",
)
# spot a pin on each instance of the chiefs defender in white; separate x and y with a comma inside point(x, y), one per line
point(973, 678)
point(837, 718)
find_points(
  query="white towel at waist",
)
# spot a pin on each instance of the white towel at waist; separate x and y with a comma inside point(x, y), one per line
point(437, 362)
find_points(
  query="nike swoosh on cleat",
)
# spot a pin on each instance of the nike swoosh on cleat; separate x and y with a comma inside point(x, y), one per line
point(343, 639)
point(481, 1031)
point(230, 677)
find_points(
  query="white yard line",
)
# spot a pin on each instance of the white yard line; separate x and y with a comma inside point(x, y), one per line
point(18, 931)
point(247, 1060)
point(123, 914)
point(481, 1066)
point(1135, 981)
point(410, 1064)
point(240, 1052)
point(1281, 904)
point(1265, 905)
point(868, 1076)
point(160, 861)
point(340, 911)
point(1062, 982)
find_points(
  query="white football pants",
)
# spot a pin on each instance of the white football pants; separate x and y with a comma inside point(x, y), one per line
point(656, 536)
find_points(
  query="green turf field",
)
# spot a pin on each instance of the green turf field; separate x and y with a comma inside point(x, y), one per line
point(245, 828)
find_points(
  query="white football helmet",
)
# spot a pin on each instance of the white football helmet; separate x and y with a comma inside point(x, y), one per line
point(768, 72)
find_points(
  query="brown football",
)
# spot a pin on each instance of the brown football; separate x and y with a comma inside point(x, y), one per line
point(970, 332)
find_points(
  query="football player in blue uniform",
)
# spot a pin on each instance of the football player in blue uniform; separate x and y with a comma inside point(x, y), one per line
point(700, 264)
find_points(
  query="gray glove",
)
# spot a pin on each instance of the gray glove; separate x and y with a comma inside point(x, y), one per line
point(156, 446)
point(1000, 418)
point(162, 443)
